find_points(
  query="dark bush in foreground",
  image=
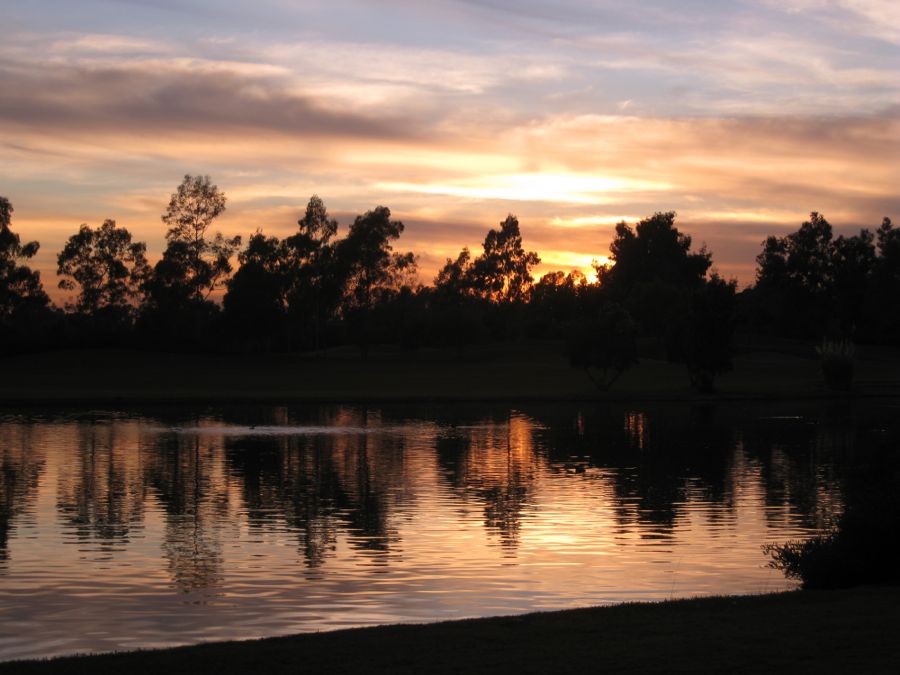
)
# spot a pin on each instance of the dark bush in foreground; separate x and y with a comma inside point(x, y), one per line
point(864, 548)
point(843, 558)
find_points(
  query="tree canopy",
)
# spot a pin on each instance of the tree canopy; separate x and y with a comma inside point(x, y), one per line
point(256, 299)
point(368, 258)
point(193, 260)
point(370, 269)
point(106, 267)
point(20, 286)
point(313, 288)
point(502, 273)
point(654, 252)
point(811, 283)
point(194, 205)
point(652, 273)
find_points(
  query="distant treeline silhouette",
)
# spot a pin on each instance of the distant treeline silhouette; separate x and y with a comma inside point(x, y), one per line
point(314, 290)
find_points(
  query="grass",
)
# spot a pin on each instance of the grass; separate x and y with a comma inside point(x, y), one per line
point(797, 632)
point(527, 371)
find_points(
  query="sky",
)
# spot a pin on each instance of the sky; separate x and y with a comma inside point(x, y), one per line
point(741, 116)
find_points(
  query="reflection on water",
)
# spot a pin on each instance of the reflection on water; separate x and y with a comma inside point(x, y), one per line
point(158, 527)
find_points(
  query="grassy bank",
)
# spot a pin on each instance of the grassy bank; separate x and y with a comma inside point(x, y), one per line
point(531, 371)
point(800, 632)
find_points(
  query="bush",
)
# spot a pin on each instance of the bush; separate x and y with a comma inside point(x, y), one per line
point(837, 363)
point(864, 548)
point(606, 343)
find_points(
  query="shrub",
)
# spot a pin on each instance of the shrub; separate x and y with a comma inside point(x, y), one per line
point(606, 343)
point(837, 363)
point(864, 548)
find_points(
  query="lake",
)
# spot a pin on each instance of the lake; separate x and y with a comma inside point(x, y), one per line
point(153, 527)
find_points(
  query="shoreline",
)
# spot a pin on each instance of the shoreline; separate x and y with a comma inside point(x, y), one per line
point(795, 631)
point(204, 398)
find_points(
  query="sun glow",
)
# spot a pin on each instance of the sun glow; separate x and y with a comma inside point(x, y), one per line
point(570, 260)
point(536, 187)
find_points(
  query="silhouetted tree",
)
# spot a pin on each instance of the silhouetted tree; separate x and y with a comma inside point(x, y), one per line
point(502, 273)
point(804, 257)
point(809, 283)
point(27, 321)
point(372, 270)
point(853, 264)
point(20, 286)
point(653, 273)
point(454, 279)
point(314, 279)
point(192, 209)
point(106, 267)
point(883, 307)
point(255, 304)
point(708, 332)
point(457, 313)
point(315, 230)
point(604, 343)
point(889, 244)
point(501, 278)
point(192, 265)
point(557, 299)
point(655, 251)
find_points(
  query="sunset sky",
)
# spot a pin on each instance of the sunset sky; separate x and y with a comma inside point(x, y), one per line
point(742, 116)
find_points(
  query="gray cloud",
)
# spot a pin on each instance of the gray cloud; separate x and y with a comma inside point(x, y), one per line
point(144, 100)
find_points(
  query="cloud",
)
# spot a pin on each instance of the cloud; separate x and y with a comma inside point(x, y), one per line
point(154, 97)
point(878, 19)
point(741, 116)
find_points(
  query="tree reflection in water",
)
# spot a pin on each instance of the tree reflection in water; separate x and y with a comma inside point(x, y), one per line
point(350, 481)
point(184, 473)
point(21, 464)
point(100, 493)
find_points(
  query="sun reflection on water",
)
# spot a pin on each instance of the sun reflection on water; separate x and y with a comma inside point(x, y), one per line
point(131, 530)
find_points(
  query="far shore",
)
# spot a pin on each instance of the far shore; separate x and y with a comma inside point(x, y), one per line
point(852, 631)
point(495, 373)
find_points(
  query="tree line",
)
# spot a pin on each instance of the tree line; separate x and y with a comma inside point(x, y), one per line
point(314, 289)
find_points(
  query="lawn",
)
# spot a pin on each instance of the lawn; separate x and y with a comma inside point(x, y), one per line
point(853, 631)
point(526, 371)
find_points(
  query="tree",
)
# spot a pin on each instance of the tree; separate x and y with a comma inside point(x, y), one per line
point(883, 306)
point(653, 272)
point(794, 277)
point(20, 286)
point(853, 263)
point(315, 230)
point(205, 263)
point(655, 251)
point(808, 255)
point(889, 245)
point(708, 332)
point(192, 266)
point(314, 283)
point(456, 311)
point(255, 303)
point(372, 271)
point(810, 283)
point(105, 265)
point(192, 208)
point(502, 273)
point(454, 280)
point(557, 299)
point(605, 343)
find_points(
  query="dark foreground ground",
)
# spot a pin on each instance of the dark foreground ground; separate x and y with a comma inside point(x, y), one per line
point(852, 631)
point(522, 371)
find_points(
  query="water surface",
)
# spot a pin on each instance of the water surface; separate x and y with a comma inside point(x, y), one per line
point(155, 527)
